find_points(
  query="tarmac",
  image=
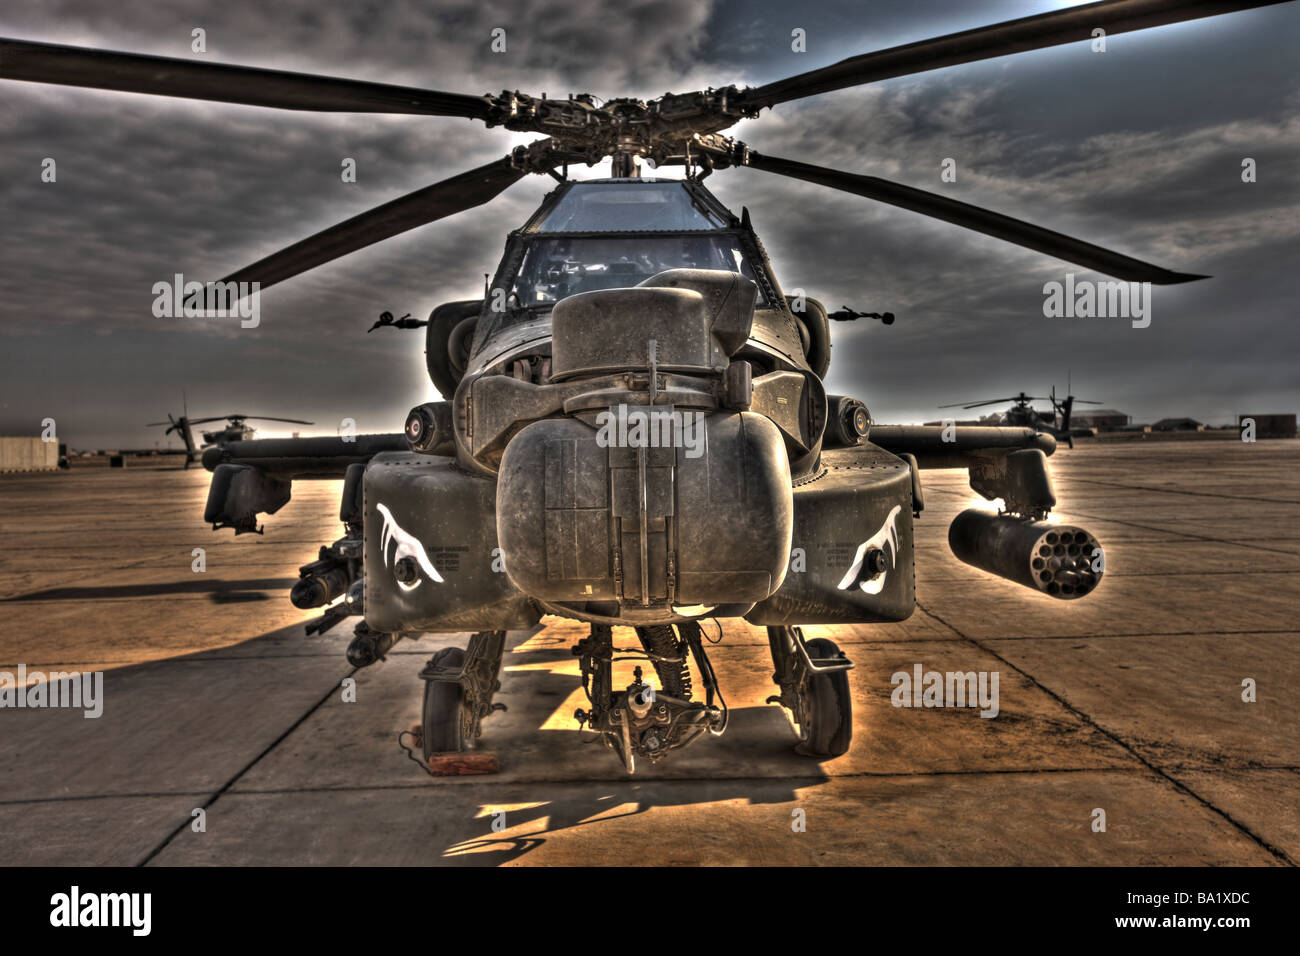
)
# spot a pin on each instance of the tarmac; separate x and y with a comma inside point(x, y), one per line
point(1129, 701)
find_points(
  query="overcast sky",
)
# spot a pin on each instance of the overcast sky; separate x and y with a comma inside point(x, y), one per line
point(1138, 148)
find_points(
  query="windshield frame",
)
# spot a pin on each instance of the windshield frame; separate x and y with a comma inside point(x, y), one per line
point(713, 216)
point(495, 321)
point(733, 237)
point(700, 198)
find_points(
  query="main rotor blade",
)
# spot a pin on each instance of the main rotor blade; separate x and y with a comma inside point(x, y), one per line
point(266, 418)
point(424, 206)
point(251, 86)
point(991, 401)
point(987, 401)
point(1073, 24)
point(974, 217)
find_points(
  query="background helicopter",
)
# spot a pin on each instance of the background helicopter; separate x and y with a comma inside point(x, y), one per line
point(236, 430)
point(651, 295)
point(1022, 414)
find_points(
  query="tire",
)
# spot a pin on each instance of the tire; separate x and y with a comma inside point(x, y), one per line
point(444, 721)
point(826, 727)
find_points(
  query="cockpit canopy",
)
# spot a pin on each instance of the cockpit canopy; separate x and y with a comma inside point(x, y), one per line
point(555, 268)
point(614, 234)
point(629, 206)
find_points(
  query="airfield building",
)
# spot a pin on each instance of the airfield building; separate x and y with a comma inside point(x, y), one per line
point(1177, 425)
point(1102, 419)
point(1271, 426)
point(22, 453)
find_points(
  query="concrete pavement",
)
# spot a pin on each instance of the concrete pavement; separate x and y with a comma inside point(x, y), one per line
point(1128, 700)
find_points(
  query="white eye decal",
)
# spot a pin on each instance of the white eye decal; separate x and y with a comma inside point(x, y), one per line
point(692, 610)
point(408, 546)
point(888, 534)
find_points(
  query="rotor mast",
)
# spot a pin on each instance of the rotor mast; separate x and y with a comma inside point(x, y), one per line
point(625, 163)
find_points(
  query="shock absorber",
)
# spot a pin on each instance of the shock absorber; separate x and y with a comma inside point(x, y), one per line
point(668, 655)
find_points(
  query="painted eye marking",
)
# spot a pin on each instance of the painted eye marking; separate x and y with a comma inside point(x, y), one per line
point(887, 535)
point(408, 546)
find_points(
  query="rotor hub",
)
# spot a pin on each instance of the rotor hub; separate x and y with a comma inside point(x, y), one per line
point(675, 128)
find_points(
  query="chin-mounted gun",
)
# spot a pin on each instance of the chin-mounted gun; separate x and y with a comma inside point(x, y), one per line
point(250, 478)
point(339, 568)
point(336, 573)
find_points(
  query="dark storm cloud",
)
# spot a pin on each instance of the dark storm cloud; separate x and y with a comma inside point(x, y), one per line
point(151, 186)
point(1138, 148)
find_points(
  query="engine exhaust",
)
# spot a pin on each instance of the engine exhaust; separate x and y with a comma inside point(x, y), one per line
point(1062, 561)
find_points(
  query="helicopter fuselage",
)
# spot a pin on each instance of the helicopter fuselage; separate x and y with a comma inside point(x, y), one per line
point(646, 302)
point(635, 431)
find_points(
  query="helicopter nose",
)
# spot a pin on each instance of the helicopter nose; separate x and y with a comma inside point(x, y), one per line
point(653, 493)
point(589, 515)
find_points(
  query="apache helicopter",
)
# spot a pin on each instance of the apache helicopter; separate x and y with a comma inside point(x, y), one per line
point(235, 430)
point(636, 431)
point(1023, 415)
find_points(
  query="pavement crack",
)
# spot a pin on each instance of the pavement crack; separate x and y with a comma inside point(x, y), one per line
point(78, 798)
point(247, 767)
point(800, 779)
point(1179, 491)
point(1177, 784)
point(1162, 634)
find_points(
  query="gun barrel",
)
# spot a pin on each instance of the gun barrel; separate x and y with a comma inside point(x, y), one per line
point(369, 646)
point(1062, 561)
point(318, 588)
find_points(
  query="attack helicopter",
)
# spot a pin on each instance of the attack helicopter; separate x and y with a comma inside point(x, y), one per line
point(646, 302)
point(1022, 414)
point(236, 429)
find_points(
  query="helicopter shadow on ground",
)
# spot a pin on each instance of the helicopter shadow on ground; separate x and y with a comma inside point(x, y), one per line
point(219, 592)
point(562, 815)
point(753, 762)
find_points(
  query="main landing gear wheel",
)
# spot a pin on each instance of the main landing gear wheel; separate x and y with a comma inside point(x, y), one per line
point(447, 723)
point(826, 710)
point(458, 690)
point(814, 681)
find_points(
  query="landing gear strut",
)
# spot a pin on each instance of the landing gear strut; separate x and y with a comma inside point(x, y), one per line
point(458, 690)
point(814, 681)
point(640, 720)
